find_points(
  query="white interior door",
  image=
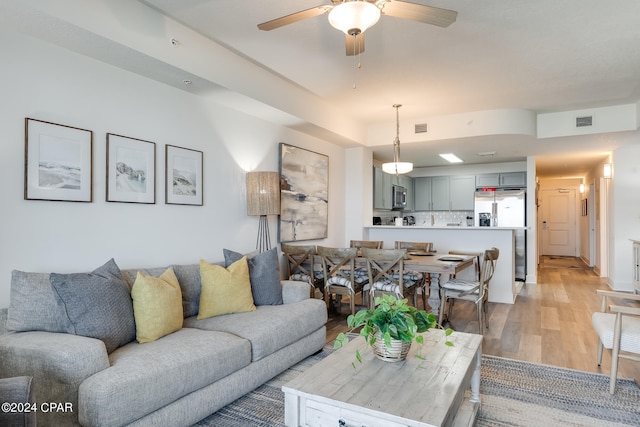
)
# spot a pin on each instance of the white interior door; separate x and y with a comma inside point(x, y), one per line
point(558, 222)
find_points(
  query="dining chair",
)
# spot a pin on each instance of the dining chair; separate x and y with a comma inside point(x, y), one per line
point(414, 246)
point(361, 274)
point(618, 330)
point(419, 247)
point(476, 260)
point(474, 291)
point(300, 265)
point(387, 275)
point(338, 271)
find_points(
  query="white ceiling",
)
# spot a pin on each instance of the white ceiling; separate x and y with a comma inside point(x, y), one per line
point(542, 55)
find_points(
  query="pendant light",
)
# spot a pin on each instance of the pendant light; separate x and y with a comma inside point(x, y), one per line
point(397, 167)
point(354, 17)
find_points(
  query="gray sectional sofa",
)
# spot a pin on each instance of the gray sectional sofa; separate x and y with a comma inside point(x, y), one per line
point(175, 380)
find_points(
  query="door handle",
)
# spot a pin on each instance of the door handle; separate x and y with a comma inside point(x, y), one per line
point(544, 225)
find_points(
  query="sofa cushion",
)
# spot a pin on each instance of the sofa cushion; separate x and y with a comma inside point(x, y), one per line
point(157, 305)
point(34, 306)
point(145, 377)
point(269, 327)
point(264, 274)
point(98, 304)
point(189, 278)
point(130, 275)
point(225, 290)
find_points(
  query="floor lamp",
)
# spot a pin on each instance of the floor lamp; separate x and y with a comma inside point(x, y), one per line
point(263, 198)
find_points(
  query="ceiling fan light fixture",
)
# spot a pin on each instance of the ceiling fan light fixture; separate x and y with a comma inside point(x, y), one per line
point(397, 167)
point(354, 17)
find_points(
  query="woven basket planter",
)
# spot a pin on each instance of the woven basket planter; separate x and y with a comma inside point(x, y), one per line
point(396, 353)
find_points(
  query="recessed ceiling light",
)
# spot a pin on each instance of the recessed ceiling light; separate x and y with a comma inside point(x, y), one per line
point(451, 158)
point(187, 82)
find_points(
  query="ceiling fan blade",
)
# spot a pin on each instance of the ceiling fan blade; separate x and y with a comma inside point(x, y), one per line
point(354, 44)
point(294, 17)
point(418, 12)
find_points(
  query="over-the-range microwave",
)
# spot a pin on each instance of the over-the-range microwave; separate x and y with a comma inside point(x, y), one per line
point(398, 197)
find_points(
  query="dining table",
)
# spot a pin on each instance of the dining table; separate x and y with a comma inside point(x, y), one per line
point(435, 265)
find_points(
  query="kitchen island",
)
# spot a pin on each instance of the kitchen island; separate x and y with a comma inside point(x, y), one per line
point(502, 288)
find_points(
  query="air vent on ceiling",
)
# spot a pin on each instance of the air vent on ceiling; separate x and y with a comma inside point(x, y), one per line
point(421, 128)
point(584, 121)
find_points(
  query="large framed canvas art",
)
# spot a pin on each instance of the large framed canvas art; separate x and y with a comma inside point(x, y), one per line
point(304, 188)
point(183, 174)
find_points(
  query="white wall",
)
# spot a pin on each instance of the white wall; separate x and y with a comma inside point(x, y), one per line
point(46, 82)
point(624, 219)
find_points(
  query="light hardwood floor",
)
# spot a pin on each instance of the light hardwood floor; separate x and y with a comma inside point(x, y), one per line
point(550, 322)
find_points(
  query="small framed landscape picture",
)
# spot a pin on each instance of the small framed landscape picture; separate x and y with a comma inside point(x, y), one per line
point(183, 171)
point(58, 162)
point(131, 170)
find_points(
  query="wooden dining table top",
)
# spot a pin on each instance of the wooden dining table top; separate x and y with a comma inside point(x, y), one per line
point(432, 262)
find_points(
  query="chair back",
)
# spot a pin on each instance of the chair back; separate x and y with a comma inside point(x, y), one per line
point(488, 267)
point(299, 259)
point(386, 270)
point(338, 263)
point(415, 246)
point(372, 244)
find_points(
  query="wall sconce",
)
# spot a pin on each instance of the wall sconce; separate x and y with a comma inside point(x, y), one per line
point(263, 198)
point(607, 170)
point(581, 188)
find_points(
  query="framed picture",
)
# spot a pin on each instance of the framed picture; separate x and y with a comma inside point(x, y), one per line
point(131, 170)
point(183, 171)
point(58, 162)
point(304, 188)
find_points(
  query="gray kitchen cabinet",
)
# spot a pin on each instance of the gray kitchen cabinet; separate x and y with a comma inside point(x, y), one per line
point(462, 192)
point(422, 194)
point(513, 179)
point(505, 179)
point(381, 189)
point(407, 182)
point(440, 193)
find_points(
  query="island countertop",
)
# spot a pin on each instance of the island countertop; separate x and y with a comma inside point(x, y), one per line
point(442, 227)
point(502, 287)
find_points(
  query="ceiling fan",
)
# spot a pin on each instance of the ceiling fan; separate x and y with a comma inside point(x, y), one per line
point(353, 17)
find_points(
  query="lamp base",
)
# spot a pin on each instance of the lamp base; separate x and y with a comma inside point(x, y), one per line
point(263, 242)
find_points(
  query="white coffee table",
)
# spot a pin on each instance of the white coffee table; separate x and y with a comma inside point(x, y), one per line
point(416, 392)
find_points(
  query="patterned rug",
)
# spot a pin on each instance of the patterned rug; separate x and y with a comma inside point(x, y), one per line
point(513, 393)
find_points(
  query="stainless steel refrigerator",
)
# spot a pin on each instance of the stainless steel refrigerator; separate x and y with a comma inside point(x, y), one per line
point(505, 208)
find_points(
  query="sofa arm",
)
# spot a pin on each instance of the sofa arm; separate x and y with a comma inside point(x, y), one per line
point(58, 364)
point(294, 291)
point(18, 391)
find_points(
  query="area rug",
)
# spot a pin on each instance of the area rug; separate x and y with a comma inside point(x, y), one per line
point(513, 393)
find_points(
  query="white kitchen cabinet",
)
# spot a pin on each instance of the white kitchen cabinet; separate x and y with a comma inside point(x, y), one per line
point(462, 190)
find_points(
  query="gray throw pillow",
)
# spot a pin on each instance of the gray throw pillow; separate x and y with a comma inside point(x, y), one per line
point(264, 274)
point(98, 304)
point(33, 305)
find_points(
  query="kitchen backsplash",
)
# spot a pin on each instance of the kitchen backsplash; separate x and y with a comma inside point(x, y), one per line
point(440, 218)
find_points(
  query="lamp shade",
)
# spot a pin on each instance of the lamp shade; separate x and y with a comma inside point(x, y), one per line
point(354, 17)
point(396, 168)
point(263, 193)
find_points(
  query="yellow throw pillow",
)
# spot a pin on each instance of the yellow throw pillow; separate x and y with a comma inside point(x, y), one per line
point(157, 305)
point(225, 290)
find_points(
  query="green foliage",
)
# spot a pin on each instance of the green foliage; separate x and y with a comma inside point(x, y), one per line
point(395, 319)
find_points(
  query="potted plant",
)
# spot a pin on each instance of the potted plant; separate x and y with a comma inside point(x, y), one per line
point(390, 328)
